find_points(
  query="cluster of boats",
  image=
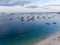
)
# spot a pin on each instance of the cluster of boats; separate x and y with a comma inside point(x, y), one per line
point(29, 18)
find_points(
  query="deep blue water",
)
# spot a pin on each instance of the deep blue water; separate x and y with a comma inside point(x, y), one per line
point(16, 31)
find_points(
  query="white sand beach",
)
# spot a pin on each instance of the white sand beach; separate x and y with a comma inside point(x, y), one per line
point(52, 40)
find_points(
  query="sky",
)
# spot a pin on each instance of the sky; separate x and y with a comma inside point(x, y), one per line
point(26, 4)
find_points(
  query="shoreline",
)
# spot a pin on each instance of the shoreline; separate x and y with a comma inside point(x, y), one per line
point(53, 39)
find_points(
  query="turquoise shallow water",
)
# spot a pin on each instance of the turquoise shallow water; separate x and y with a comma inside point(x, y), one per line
point(19, 32)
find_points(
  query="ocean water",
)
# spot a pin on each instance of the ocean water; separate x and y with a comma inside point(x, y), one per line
point(17, 31)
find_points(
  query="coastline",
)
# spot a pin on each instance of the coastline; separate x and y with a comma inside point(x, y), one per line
point(54, 39)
